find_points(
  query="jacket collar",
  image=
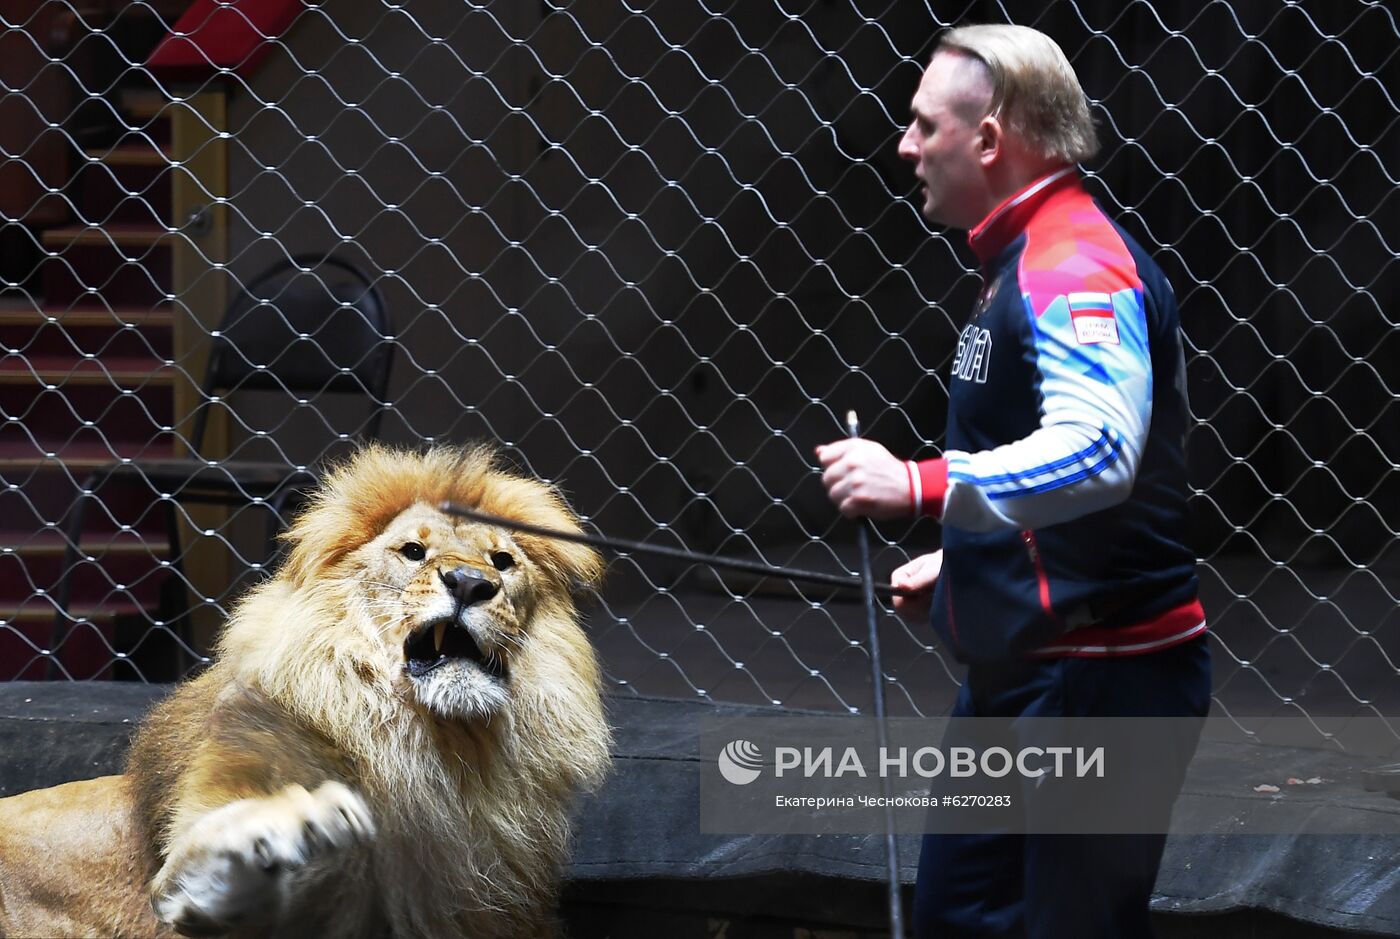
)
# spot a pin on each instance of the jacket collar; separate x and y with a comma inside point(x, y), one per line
point(1008, 220)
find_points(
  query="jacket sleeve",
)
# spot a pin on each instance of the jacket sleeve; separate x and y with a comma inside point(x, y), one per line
point(1091, 351)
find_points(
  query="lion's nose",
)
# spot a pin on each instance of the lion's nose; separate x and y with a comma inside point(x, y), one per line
point(468, 585)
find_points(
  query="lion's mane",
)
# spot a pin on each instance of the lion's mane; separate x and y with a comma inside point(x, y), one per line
point(471, 818)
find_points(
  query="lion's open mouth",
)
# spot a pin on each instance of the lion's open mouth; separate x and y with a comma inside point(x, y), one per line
point(445, 640)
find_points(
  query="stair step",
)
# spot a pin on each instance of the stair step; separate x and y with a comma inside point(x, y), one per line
point(122, 236)
point(118, 371)
point(52, 544)
point(24, 313)
point(48, 421)
point(67, 342)
point(129, 579)
point(101, 273)
point(128, 154)
point(42, 611)
point(84, 455)
point(84, 655)
point(132, 193)
point(145, 105)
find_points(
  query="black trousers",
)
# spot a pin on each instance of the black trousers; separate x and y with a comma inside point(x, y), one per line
point(1010, 885)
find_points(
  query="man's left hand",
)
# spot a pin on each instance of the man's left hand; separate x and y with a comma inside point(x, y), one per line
point(862, 478)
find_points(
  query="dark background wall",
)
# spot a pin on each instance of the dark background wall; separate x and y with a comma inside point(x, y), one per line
point(666, 250)
point(657, 251)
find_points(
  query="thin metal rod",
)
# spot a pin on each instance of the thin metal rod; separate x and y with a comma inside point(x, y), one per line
point(877, 691)
point(622, 546)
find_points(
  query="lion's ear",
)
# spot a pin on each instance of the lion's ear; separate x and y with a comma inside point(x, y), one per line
point(576, 566)
point(584, 565)
point(317, 539)
point(305, 562)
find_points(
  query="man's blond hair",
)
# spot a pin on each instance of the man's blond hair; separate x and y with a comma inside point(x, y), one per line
point(1034, 88)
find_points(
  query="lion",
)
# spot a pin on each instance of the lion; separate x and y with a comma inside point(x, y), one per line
point(388, 743)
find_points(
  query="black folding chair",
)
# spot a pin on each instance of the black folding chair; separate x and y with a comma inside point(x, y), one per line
point(306, 326)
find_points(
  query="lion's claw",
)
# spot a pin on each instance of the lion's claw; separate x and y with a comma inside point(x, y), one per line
point(235, 865)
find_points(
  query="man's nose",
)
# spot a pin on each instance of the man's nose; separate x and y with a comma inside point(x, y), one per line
point(468, 585)
point(908, 146)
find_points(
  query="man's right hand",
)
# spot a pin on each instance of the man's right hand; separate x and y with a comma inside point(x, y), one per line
point(862, 478)
point(918, 576)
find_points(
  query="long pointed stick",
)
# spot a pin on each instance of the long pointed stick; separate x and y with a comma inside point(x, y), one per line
point(877, 689)
point(623, 546)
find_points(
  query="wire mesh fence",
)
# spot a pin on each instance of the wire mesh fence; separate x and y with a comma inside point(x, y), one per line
point(656, 251)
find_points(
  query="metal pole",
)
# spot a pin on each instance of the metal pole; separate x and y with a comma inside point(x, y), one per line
point(877, 689)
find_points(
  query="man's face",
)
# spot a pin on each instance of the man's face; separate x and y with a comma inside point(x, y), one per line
point(945, 142)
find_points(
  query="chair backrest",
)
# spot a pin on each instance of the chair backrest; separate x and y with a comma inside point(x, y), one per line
point(306, 325)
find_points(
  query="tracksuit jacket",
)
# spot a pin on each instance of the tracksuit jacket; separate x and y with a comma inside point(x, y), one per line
point(1062, 491)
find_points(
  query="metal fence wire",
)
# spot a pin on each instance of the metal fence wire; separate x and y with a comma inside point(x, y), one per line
point(656, 251)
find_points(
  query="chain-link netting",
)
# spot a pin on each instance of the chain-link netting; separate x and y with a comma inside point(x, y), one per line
point(656, 251)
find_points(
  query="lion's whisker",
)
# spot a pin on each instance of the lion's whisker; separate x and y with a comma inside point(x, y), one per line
point(390, 625)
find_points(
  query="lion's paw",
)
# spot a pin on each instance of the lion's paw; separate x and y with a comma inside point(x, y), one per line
point(241, 863)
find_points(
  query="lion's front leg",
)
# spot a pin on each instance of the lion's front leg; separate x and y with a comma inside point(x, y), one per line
point(248, 863)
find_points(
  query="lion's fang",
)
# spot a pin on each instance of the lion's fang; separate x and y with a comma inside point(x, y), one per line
point(439, 631)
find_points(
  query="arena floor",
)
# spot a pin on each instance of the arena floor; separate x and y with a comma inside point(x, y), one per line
point(1285, 641)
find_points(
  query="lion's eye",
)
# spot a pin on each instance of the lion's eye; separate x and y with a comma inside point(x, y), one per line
point(502, 560)
point(414, 551)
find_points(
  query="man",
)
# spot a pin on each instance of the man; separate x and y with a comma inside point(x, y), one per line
point(1064, 580)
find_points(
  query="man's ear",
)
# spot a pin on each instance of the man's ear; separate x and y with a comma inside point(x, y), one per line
point(991, 140)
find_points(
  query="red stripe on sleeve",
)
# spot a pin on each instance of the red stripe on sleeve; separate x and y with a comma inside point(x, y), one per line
point(933, 480)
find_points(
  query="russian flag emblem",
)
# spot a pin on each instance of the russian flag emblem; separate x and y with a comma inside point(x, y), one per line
point(1092, 315)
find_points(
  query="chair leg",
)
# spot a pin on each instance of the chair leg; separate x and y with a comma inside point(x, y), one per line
point(175, 593)
point(72, 526)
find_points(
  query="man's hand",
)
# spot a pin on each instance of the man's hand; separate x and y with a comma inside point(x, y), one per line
point(918, 576)
point(862, 478)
